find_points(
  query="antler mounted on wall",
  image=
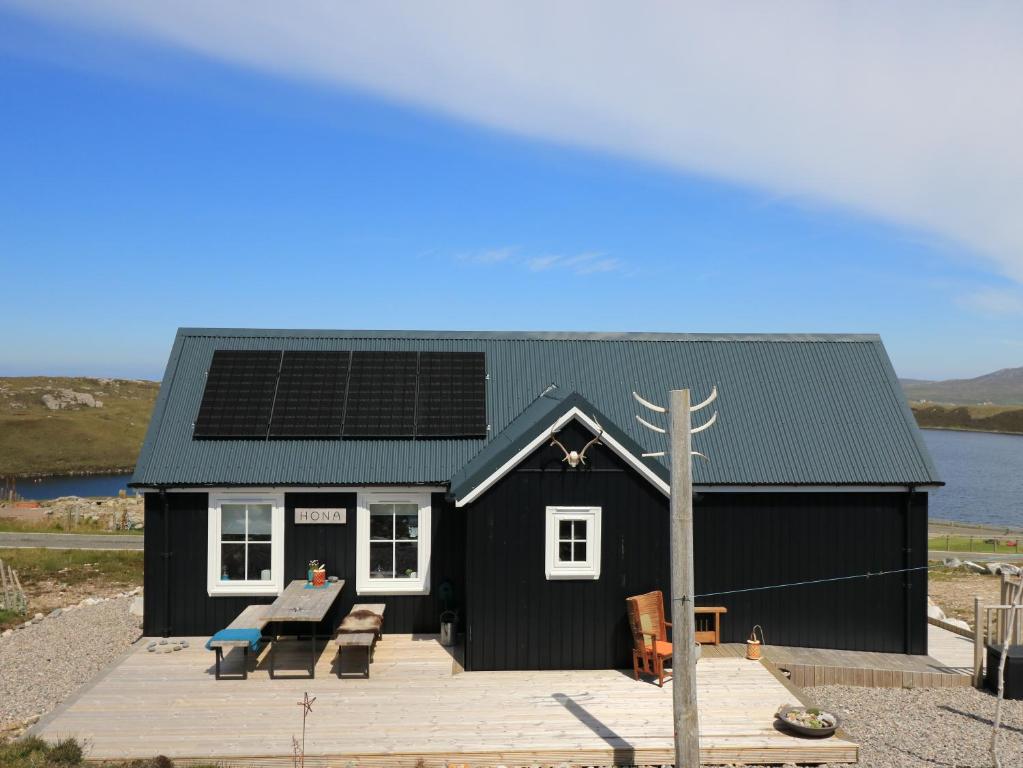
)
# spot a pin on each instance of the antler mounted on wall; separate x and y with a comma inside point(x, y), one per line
point(575, 458)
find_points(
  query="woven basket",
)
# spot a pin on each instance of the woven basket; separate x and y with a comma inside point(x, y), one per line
point(753, 646)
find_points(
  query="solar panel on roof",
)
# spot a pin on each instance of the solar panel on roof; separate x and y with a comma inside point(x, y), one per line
point(258, 394)
point(381, 395)
point(310, 399)
point(451, 400)
point(239, 394)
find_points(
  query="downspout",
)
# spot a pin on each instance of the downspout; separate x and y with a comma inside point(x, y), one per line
point(909, 564)
point(166, 555)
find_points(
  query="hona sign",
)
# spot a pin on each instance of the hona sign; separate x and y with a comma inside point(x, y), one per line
point(330, 515)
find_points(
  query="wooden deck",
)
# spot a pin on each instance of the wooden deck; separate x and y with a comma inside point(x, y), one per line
point(417, 706)
point(949, 665)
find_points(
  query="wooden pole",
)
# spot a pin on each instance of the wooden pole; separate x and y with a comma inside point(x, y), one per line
point(3, 583)
point(978, 644)
point(683, 658)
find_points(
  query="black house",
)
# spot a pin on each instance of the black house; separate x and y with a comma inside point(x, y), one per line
point(420, 467)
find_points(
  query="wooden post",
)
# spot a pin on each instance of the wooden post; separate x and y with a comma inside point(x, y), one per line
point(683, 659)
point(978, 644)
point(3, 584)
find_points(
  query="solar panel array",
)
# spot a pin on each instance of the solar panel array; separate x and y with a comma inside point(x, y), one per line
point(258, 394)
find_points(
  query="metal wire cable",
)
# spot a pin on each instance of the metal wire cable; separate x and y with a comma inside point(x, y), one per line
point(867, 575)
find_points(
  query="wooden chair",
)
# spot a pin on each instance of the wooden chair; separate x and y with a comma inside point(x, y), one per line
point(650, 646)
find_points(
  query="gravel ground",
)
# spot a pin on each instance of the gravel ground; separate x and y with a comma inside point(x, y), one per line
point(932, 727)
point(45, 663)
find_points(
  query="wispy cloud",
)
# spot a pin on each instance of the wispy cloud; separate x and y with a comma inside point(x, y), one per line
point(903, 111)
point(580, 264)
point(586, 263)
point(993, 301)
point(488, 256)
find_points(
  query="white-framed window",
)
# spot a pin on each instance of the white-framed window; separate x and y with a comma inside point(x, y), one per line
point(245, 554)
point(573, 543)
point(393, 546)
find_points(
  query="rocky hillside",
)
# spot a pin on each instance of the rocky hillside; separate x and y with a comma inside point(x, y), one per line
point(1004, 387)
point(57, 425)
point(973, 418)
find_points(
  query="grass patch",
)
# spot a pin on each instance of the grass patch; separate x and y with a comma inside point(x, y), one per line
point(980, 544)
point(14, 525)
point(74, 566)
point(37, 441)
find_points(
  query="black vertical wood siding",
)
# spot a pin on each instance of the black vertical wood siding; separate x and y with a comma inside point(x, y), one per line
point(519, 620)
point(191, 611)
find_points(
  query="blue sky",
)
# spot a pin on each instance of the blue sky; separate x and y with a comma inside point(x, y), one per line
point(149, 184)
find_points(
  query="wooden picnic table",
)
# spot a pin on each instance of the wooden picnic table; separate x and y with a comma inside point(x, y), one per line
point(297, 603)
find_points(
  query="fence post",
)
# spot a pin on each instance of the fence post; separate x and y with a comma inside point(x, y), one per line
point(978, 645)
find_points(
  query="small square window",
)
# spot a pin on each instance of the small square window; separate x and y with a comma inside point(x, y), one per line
point(573, 543)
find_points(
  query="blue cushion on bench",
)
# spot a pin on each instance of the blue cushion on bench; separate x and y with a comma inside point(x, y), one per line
point(252, 635)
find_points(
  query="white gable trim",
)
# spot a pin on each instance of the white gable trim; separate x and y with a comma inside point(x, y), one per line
point(574, 413)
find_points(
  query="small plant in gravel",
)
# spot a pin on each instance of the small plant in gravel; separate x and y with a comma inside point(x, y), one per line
point(33, 752)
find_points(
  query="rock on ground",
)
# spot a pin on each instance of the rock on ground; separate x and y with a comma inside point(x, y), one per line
point(933, 727)
point(43, 664)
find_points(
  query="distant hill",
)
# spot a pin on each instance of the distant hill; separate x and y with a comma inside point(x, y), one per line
point(59, 425)
point(1004, 387)
point(1007, 419)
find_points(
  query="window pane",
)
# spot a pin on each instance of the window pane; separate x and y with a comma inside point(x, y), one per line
point(407, 560)
point(565, 552)
point(259, 561)
point(381, 564)
point(259, 522)
point(580, 529)
point(564, 529)
point(406, 526)
point(232, 562)
point(580, 551)
point(381, 521)
point(232, 522)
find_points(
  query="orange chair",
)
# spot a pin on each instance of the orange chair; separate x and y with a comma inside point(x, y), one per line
point(650, 646)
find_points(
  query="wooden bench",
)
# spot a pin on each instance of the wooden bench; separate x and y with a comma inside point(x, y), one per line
point(710, 636)
point(253, 617)
point(361, 628)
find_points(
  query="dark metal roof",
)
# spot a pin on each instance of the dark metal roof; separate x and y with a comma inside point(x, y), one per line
point(794, 409)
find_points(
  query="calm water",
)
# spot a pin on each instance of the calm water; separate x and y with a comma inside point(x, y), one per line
point(983, 476)
point(78, 485)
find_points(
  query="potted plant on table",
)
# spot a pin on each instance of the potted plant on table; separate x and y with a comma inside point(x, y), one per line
point(314, 565)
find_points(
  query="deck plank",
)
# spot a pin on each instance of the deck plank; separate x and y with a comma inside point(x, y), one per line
point(416, 707)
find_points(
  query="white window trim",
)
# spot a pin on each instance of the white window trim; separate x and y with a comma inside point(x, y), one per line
point(217, 588)
point(590, 569)
point(420, 585)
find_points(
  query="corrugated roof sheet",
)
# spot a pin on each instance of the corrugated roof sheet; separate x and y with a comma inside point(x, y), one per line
point(794, 409)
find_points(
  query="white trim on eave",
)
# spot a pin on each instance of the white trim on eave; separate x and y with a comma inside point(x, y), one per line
point(573, 413)
point(814, 488)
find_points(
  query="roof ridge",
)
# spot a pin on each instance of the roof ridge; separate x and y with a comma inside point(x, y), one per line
point(526, 335)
